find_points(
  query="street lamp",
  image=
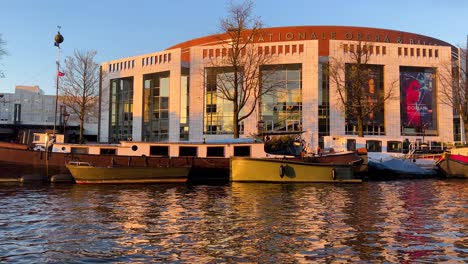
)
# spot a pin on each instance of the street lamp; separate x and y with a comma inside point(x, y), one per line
point(65, 116)
point(58, 40)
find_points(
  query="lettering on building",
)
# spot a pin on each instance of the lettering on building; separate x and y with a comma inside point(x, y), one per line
point(332, 35)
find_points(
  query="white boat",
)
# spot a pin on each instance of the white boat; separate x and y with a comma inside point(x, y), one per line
point(391, 157)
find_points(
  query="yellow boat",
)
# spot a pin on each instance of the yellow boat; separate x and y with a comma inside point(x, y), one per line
point(283, 170)
point(84, 172)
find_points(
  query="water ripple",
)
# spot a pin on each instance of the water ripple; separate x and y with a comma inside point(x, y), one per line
point(376, 222)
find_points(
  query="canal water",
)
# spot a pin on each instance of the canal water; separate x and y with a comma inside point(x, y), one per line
point(402, 221)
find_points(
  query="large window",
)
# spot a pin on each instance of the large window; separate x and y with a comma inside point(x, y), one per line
point(281, 104)
point(121, 112)
point(324, 102)
point(218, 111)
point(184, 106)
point(418, 101)
point(156, 107)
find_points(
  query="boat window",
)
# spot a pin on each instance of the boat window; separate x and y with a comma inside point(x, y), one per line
point(187, 151)
point(159, 150)
point(79, 150)
point(107, 151)
point(374, 146)
point(134, 147)
point(394, 146)
point(351, 144)
point(242, 151)
point(215, 151)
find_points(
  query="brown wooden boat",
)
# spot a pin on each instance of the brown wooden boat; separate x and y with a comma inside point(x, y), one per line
point(454, 166)
point(15, 163)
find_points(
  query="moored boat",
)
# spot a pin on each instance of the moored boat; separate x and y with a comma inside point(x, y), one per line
point(395, 167)
point(390, 158)
point(209, 160)
point(284, 170)
point(455, 163)
point(84, 172)
point(358, 158)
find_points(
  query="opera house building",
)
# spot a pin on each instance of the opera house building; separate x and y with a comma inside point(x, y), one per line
point(170, 95)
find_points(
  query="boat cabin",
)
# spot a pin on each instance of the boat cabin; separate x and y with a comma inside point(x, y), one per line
point(381, 144)
point(166, 149)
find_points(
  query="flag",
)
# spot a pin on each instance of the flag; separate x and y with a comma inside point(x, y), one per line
point(60, 74)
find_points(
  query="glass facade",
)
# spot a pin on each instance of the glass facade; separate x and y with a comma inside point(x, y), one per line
point(323, 104)
point(219, 112)
point(184, 105)
point(121, 112)
point(281, 103)
point(156, 107)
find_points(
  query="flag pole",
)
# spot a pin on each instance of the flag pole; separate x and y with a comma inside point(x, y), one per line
point(58, 40)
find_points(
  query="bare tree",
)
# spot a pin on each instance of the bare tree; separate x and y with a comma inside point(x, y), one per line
point(356, 81)
point(239, 69)
point(3, 52)
point(454, 86)
point(79, 89)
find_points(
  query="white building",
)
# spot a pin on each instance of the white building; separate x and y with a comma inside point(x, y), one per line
point(168, 95)
point(29, 109)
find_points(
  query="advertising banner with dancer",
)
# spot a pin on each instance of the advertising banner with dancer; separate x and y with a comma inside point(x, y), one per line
point(417, 87)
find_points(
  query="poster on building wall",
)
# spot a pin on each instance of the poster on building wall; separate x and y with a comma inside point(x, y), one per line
point(417, 95)
point(372, 91)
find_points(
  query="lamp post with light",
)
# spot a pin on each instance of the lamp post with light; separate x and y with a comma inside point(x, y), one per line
point(58, 40)
point(65, 116)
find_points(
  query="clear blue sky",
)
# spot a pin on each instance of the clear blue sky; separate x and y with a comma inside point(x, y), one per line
point(118, 28)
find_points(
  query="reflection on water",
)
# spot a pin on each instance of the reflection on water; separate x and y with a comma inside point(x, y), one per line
point(393, 222)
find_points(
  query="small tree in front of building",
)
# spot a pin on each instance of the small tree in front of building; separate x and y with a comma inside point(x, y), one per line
point(79, 88)
point(3, 52)
point(357, 82)
point(238, 69)
point(454, 87)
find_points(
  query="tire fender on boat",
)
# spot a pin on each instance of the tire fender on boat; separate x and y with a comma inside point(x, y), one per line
point(281, 170)
point(333, 174)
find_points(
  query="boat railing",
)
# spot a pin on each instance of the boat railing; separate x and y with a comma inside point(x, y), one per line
point(413, 154)
point(410, 154)
point(442, 157)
